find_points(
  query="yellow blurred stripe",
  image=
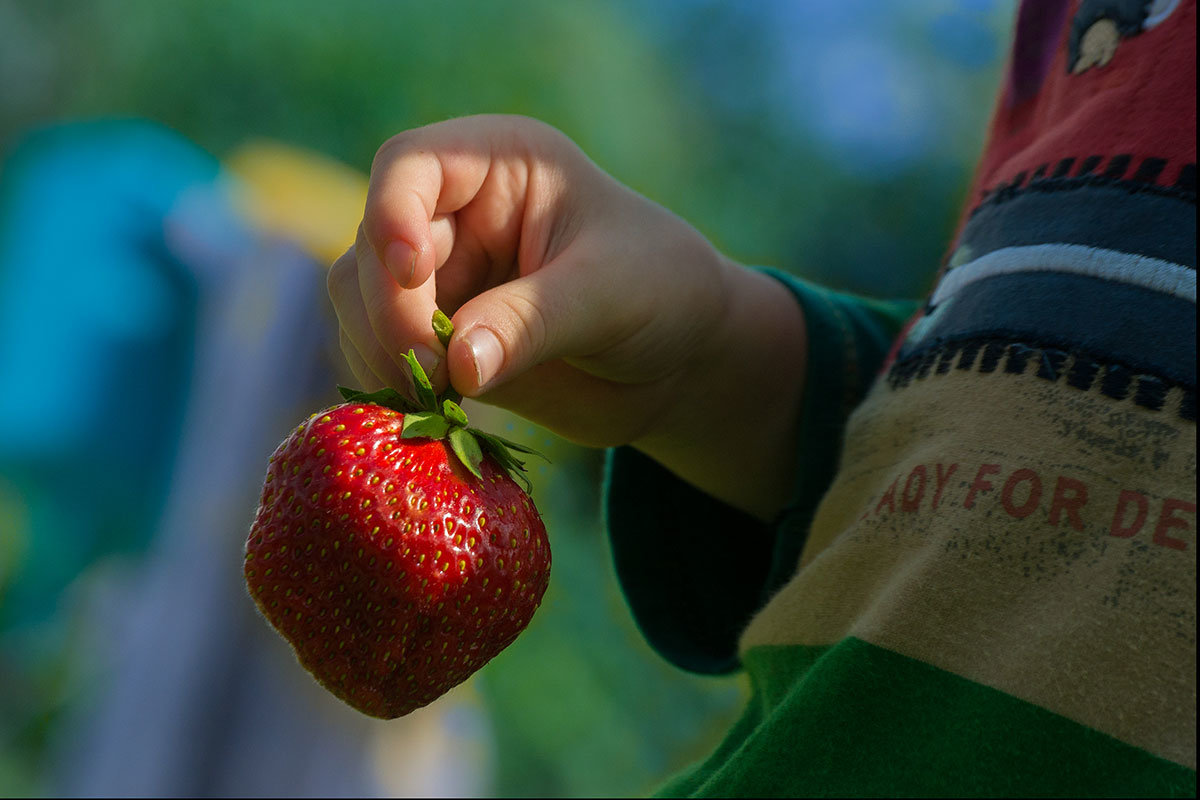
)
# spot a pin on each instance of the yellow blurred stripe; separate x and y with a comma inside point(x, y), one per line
point(299, 194)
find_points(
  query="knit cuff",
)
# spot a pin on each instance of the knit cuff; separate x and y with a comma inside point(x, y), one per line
point(693, 569)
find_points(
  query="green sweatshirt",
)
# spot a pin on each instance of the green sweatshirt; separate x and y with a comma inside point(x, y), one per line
point(985, 583)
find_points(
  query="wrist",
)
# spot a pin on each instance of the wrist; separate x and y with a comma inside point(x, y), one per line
point(732, 426)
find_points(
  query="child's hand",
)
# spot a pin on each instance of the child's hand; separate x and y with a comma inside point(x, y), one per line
point(576, 303)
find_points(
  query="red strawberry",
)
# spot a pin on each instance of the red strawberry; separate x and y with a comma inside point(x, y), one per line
point(394, 556)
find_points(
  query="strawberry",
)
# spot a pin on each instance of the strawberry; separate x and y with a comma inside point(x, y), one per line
point(393, 549)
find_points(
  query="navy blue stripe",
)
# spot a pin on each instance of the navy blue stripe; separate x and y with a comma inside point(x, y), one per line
point(1147, 331)
point(1149, 170)
point(1109, 217)
point(1117, 165)
point(1114, 380)
point(1089, 164)
point(1186, 182)
point(1063, 168)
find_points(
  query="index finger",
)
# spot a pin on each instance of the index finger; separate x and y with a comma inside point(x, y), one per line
point(416, 175)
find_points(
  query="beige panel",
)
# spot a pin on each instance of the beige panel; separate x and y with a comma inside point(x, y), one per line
point(1008, 568)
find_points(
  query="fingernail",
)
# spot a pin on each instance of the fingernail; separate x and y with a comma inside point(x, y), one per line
point(487, 353)
point(401, 261)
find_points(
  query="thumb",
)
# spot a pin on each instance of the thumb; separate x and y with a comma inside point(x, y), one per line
point(558, 311)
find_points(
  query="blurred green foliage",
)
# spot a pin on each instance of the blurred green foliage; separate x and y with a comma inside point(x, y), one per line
point(684, 101)
point(631, 81)
point(581, 706)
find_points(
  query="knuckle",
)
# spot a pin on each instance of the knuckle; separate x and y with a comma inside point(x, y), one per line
point(339, 275)
point(380, 310)
point(392, 147)
point(531, 328)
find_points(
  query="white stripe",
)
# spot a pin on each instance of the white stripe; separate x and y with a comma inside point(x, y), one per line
point(1076, 259)
point(1158, 11)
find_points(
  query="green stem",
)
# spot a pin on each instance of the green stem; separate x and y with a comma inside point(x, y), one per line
point(429, 417)
point(443, 328)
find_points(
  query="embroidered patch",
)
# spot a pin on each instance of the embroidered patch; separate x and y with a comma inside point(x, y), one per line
point(1098, 28)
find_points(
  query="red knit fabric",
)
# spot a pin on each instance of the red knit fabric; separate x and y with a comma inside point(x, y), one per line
point(1141, 104)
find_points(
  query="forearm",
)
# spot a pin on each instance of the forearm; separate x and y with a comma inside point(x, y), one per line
point(733, 430)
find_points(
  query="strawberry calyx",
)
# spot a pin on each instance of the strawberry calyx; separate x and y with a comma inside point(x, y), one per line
point(442, 418)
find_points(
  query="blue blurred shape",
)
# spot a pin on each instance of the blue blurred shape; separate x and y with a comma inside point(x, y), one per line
point(870, 101)
point(156, 347)
point(965, 38)
point(80, 283)
point(96, 333)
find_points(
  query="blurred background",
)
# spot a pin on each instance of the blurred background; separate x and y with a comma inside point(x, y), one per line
point(175, 179)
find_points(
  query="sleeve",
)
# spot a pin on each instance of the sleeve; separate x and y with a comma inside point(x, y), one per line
point(695, 570)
